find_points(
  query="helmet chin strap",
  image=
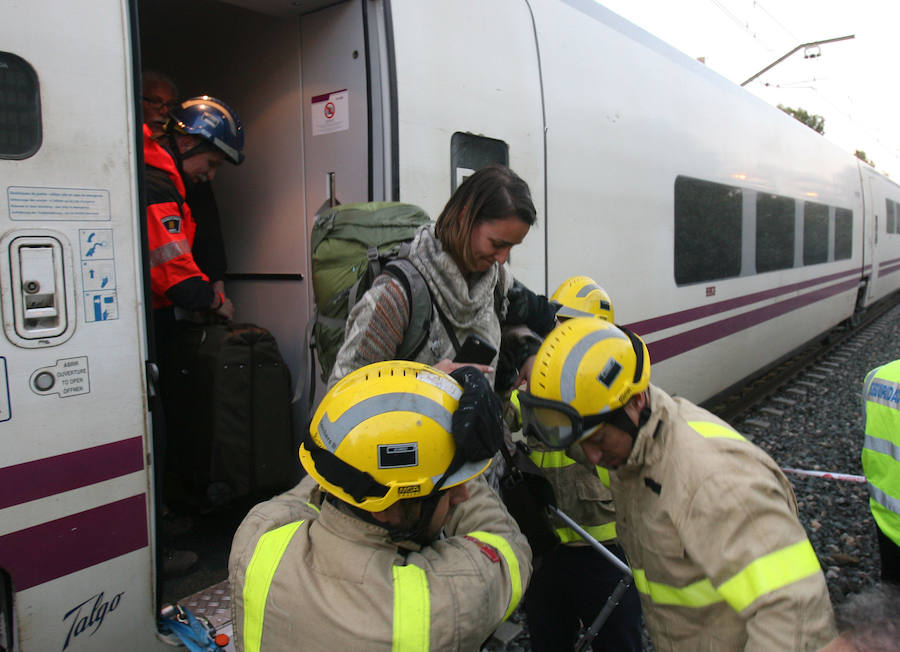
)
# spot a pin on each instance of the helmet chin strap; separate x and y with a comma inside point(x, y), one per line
point(418, 531)
point(620, 419)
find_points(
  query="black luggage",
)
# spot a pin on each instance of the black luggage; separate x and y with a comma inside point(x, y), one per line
point(230, 434)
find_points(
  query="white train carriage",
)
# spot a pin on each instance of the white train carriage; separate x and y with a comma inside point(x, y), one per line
point(726, 232)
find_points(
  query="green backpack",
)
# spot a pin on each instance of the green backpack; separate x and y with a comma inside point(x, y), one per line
point(351, 245)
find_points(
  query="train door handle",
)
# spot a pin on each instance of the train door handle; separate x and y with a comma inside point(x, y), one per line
point(38, 287)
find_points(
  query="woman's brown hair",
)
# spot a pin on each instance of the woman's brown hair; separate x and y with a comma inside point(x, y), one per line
point(494, 192)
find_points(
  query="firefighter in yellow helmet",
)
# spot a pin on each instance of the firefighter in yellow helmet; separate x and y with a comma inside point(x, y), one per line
point(580, 296)
point(707, 520)
point(570, 585)
point(411, 548)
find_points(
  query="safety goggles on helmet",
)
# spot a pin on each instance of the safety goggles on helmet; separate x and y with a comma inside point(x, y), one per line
point(558, 425)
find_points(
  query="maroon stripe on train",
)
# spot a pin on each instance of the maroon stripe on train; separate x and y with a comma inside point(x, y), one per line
point(21, 483)
point(889, 261)
point(50, 550)
point(648, 326)
point(677, 344)
point(884, 270)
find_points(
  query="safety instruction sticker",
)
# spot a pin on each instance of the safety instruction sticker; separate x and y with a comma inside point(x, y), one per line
point(331, 112)
point(5, 410)
point(96, 244)
point(98, 274)
point(29, 203)
point(68, 377)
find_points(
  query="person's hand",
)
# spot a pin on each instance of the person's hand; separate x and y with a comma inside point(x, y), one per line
point(448, 366)
point(524, 377)
point(226, 310)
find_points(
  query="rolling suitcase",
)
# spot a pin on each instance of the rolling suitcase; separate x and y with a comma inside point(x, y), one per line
point(231, 434)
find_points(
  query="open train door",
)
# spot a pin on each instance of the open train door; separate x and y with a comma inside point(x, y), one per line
point(75, 545)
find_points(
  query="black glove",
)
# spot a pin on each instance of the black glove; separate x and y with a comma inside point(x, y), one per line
point(478, 421)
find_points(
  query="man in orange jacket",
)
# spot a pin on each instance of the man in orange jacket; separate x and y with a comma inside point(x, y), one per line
point(199, 135)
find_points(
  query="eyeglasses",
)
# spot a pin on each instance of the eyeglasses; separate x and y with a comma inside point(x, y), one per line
point(159, 103)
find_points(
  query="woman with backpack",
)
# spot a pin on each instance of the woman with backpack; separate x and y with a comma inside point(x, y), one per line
point(462, 258)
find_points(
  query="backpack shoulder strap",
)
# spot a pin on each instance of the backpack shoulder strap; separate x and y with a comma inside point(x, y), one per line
point(420, 306)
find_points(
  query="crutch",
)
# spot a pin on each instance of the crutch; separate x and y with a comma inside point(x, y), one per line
point(584, 639)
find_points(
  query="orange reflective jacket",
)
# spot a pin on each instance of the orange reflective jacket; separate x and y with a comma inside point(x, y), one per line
point(174, 275)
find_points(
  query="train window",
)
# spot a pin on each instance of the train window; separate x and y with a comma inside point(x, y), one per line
point(774, 232)
point(843, 233)
point(815, 233)
point(468, 152)
point(707, 231)
point(20, 108)
point(890, 222)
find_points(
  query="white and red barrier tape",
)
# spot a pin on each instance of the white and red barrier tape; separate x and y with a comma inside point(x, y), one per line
point(828, 475)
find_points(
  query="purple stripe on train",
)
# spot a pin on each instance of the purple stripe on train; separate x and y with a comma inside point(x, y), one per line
point(648, 326)
point(669, 347)
point(21, 483)
point(56, 548)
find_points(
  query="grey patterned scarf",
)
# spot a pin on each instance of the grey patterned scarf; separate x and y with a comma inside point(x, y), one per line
point(467, 304)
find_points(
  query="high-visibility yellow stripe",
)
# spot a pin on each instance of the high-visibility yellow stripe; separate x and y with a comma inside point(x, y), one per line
point(559, 460)
point(769, 573)
point(260, 571)
point(412, 609)
point(698, 594)
point(605, 532)
point(761, 576)
point(551, 459)
point(603, 474)
point(512, 563)
point(712, 430)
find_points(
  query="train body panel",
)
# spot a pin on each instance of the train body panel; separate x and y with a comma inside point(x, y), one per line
point(75, 528)
point(882, 199)
point(726, 233)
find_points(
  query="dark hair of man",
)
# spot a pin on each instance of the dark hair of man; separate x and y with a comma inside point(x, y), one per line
point(870, 621)
point(494, 192)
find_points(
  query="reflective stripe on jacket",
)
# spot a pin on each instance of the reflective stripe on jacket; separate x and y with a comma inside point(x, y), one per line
point(709, 524)
point(881, 450)
point(174, 275)
point(337, 582)
point(582, 493)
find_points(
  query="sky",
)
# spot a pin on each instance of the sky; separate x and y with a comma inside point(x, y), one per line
point(854, 84)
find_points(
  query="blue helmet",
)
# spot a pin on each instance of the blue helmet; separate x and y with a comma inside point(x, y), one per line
point(212, 120)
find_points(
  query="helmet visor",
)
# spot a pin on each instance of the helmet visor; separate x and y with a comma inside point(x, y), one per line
point(557, 424)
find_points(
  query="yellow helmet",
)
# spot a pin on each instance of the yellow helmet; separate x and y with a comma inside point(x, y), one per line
point(383, 433)
point(580, 296)
point(584, 373)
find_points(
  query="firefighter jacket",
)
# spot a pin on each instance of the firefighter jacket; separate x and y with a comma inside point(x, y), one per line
point(881, 451)
point(175, 278)
point(331, 581)
point(709, 524)
point(581, 490)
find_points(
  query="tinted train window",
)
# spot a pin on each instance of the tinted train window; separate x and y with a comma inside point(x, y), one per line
point(774, 232)
point(843, 233)
point(20, 108)
point(815, 233)
point(890, 222)
point(707, 231)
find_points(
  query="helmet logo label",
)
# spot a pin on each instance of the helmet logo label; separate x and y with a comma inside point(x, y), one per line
point(394, 456)
point(410, 490)
point(611, 371)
